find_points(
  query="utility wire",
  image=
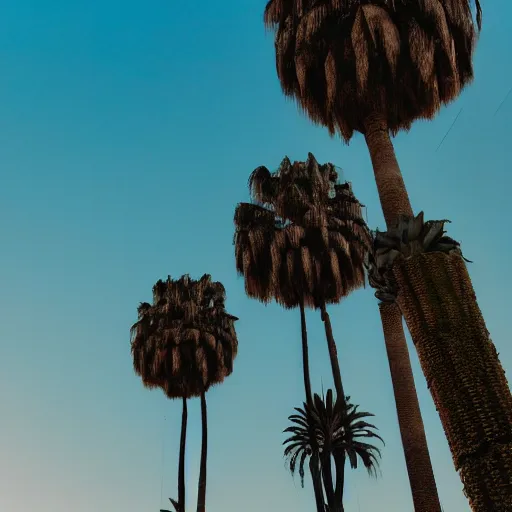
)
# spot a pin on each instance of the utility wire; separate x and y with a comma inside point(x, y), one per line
point(503, 102)
point(449, 129)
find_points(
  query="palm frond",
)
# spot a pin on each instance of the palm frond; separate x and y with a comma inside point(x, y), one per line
point(335, 425)
point(303, 238)
point(342, 59)
point(185, 341)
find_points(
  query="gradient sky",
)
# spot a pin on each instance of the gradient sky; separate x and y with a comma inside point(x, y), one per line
point(127, 133)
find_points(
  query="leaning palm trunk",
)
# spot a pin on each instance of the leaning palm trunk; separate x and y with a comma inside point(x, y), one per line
point(393, 195)
point(395, 201)
point(201, 490)
point(437, 300)
point(463, 372)
point(412, 431)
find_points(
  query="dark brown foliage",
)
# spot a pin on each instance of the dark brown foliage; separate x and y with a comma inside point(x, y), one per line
point(345, 59)
point(303, 238)
point(184, 341)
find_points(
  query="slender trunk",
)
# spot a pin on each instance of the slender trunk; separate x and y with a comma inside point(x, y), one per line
point(339, 461)
point(315, 475)
point(181, 471)
point(412, 431)
point(305, 355)
point(327, 478)
point(201, 490)
point(463, 372)
point(334, 500)
point(314, 468)
point(395, 202)
point(333, 353)
point(390, 183)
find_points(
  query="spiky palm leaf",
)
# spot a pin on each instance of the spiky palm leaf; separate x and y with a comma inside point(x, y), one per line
point(343, 59)
point(337, 427)
point(303, 238)
point(184, 341)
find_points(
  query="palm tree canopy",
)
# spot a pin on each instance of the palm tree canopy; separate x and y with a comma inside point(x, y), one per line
point(184, 341)
point(345, 59)
point(302, 238)
point(338, 427)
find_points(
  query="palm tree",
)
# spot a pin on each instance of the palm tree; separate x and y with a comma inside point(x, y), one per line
point(338, 428)
point(375, 67)
point(302, 242)
point(184, 343)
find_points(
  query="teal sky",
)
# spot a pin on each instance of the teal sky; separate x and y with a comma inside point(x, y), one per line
point(127, 134)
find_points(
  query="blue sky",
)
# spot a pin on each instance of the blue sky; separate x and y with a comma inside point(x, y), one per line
point(127, 133)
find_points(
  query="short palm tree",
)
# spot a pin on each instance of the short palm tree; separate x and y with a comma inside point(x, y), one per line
point(331, 430)
point(185, 342)
point(303, 243)
point(375, 67)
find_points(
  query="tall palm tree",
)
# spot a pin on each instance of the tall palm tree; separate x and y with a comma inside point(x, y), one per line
point(330, 430)
point(185, 342)
point(302, 243)
point(375, 67)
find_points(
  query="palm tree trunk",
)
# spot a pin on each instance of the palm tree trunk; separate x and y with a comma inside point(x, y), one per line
point(181, 471)
point(390, 183)
point(327, 478)
point(463, 372)
point(395, 202)
point(334, 501)
point(315, 475)
point(333, 353)
point(305, 355)
point(339, 461)
point(412, 431)
point(314, 468)
point(467, 367)
point(201, 490)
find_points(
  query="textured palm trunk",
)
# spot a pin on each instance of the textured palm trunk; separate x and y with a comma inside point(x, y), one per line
point(395, 202)
point(463, 372)
point(478, 432)
point(181, 471)
point(414, 441)
point(201, 490)
point(315, 475)
point(390, 183)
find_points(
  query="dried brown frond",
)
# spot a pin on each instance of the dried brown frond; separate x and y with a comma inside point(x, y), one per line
point(344, 59)
point(308, 243)
point(185, 341)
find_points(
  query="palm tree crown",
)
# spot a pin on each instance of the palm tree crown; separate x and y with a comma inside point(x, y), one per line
point(303, 239)
point(344, 59)
point(338, 428)
point(184, 341)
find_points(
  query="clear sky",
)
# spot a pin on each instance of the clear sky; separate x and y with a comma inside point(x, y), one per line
point(127, 133)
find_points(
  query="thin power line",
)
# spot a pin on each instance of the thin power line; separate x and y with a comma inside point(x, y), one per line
point(503, 102)
point(449, 129)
